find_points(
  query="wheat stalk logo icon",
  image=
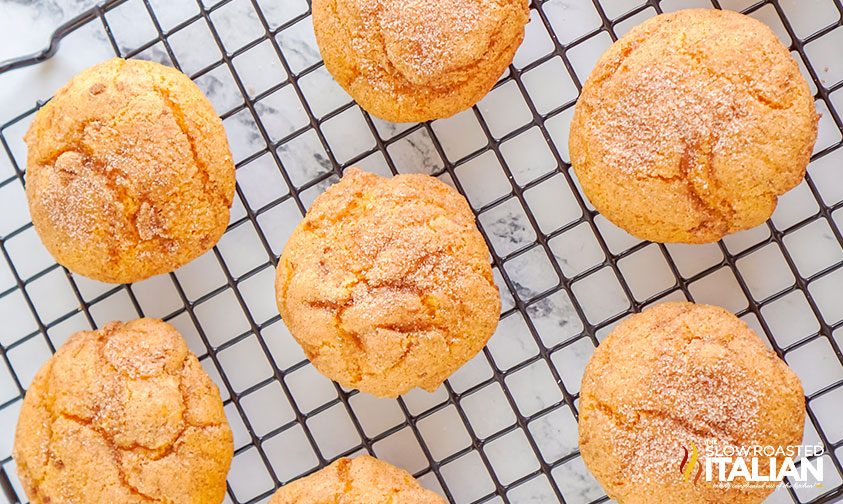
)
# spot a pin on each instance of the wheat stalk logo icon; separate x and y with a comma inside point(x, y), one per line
point(689, 460)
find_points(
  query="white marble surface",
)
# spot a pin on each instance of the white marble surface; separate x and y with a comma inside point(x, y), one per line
point(540, 353)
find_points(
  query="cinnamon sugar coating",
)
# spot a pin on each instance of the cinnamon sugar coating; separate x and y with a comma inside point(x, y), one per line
point(679, 374)
point(418, 60)
point(386, 283)
point(691, 126)
point(361, 480)
point(129, 174)
point(123, 414)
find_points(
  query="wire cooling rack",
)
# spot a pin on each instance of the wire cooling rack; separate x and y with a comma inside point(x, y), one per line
point(503, 428)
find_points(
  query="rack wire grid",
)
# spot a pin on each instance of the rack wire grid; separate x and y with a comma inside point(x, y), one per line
point(503, 428)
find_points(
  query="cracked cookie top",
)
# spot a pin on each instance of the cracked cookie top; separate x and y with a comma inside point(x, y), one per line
point(129, 174)
point(691, 126)
point(362, 480)
point(386, 283)
point(418, 60)
point(675, 376)
point(123, 414)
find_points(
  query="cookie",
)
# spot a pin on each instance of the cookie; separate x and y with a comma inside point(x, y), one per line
point(691, 126)
point(362, 480)
point(676, 378)
point(129, 174)
point(418, 60)
point(386, 283)
point(123, 414)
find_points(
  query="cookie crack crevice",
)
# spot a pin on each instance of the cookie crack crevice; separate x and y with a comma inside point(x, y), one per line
point(202, 174)
point(630, 419)
point(115, 453)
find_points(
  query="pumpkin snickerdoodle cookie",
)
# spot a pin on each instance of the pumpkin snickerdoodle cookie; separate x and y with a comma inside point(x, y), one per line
point(129, 174)
point(418, 60)
point(362, 480)
point(123, 414)
point(691, 126)
point(387, 283)
point(674, 383)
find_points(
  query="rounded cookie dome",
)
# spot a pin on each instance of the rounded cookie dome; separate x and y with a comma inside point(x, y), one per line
point(691, 126)
point(386, 283)
point(417, 60)
point(675, 377)
point(128, 173)
point(363, 479)
point(123, 414)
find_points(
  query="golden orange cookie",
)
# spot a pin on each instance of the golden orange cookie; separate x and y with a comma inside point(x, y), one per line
point(128, 173)
point(362, 480)
point(691, 126)
point(417, 60)
point(125, 414)
point(386, 283)
point(675, 377)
